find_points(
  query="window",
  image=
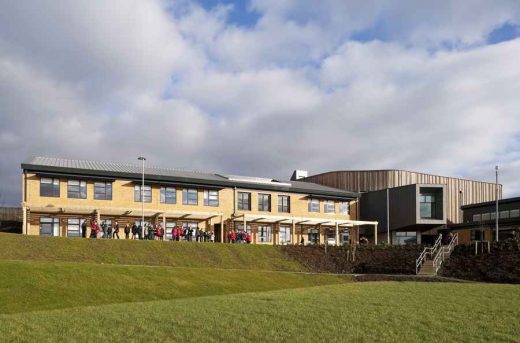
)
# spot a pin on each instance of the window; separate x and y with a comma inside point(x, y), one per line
point(49, 226)
point(285, 234)
point(244, 201)
point(77, 189)
point(344, 207)
point(240, 227)
point(504, 214)
point(486, 216)
point(210, 198)
point(515, 213)
point(264, 202)
point(74, 227)
point(168, 230)
point(345, 237)
point(147, 193)
point(493, 215)
point(477, 235)
point(328, 206)
point(189, 196)
point(476, 218)
point(49, 187)
point(103, 191)
point(168, 195)
point(264, 234)
point(314, 205)
point(427, 206)
point(402, 238)
point(284, 204)
point(314, 236)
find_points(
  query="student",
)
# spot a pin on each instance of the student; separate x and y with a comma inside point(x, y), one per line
point(116, 230)
point(160, 233)
point(140, 231)
point(134, 231)
point(104, 229)
point(127, 231)
point(248, 238)
point(94, 230)
point(233, 236)
point(109, 231)
point(211, 237)
point(84, 228)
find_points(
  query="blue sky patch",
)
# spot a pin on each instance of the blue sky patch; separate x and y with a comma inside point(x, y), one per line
point(241, 14)
point(504, 33)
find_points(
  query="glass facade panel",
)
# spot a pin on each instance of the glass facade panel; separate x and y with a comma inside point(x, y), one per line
point(49, 187)
point(515, 213)
point(427, 206)
point(476, 218)
point(402, 238)
point(190, 196)
point(314, 236)
point(168, 195)
point(210, 198)
point(504, 214)
point(486, 216)
point(285, 234)
point(74, 227)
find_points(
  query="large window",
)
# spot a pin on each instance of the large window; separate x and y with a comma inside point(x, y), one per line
point(314, 205)
point(189, 196)
point(476, 218)
point(49, 226)
point(244, 201)
point(74, 227)
point(49, 187)
point(77, 189)
point(264, 202)
point(515, 213)
point(285, 234)
point(284, 204)
point(427, 206)
point(405, 238)
point(168, 195)
point(146, 193)
point(344, 207)
point(486, 216)
point(328, 206)
point(210, 198)
point(314, 236)
point(168, 230)
point(504, 214)
point(103, 191)
point(264, 234)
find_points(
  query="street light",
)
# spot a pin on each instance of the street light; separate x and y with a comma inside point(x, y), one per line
point(496, 203)
point(142, 159)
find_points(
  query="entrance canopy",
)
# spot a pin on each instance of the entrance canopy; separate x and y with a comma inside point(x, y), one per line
point(324, 221)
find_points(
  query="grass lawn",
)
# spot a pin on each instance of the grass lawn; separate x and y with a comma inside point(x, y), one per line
point(348, 312)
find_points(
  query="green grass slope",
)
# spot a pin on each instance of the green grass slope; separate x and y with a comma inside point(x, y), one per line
point(30, 286)
point(355, 312)
point(162, 253)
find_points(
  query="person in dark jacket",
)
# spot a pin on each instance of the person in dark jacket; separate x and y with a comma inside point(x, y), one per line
point(104, 229)
point(116, 230)
point(109, 231)
point(84, 228)
point(127, 231)
point(134, 231)
point(140, 231)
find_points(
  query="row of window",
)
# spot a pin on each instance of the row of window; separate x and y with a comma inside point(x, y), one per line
point(506, 214)
point(77, 189)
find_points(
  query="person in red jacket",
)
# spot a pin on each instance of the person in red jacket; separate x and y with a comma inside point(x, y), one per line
point(160, 233)
point(94, 229)
point(233, 236)
point(248, 238)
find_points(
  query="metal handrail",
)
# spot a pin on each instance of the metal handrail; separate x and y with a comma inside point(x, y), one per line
point(440, 257)
point(425, 252)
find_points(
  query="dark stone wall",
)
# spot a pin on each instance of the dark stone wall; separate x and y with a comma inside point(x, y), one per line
point(501, 265)
point(380, 259)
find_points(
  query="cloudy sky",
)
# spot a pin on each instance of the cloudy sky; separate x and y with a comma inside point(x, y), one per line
point(262, 87)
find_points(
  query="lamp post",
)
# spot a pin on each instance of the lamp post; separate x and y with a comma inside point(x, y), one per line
point(496, 203)
point(142, 159)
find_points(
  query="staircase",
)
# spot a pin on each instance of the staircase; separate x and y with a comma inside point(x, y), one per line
point(431, 259)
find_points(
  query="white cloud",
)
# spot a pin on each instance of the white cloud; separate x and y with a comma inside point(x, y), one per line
point(188, 89)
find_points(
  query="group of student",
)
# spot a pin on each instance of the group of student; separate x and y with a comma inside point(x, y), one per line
point(239, 237)
point(148, 232)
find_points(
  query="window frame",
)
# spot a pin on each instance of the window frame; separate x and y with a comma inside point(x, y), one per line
point(284, 204)
point(264, 202)
point(344, 208)
point(52, 191)
point(168, 195)
point(186, 193)
point(327, 206)
point(208, 194)
point(106, 188)
point(241, 201)
point(313, 205)
point(80, 192)
point(431, 204)
point(55, 226)
point(138, 193)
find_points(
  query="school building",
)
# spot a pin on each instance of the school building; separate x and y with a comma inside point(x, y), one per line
point(59, 194)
